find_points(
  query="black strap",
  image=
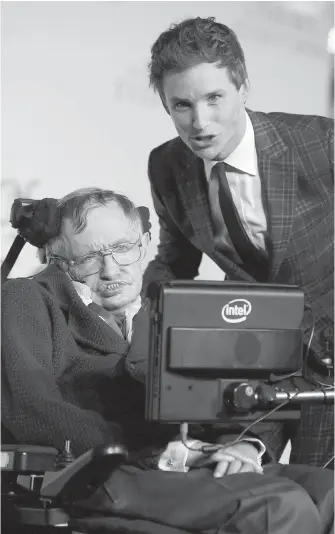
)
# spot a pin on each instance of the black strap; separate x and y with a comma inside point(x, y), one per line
point(11, 257)
point(254, 262)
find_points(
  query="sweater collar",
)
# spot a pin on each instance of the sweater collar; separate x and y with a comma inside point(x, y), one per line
point(86, 326)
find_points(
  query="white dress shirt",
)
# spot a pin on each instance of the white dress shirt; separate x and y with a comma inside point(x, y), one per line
point(245, 186)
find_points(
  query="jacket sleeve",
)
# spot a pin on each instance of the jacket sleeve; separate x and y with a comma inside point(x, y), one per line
point(331, 146)
point(176, 257)
point(33, 409)
point(271, 434)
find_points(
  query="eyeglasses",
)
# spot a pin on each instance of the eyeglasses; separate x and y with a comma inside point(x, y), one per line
point(123, 255)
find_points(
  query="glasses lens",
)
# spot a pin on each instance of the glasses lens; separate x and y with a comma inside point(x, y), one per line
point(86, 266)
point(127, 255)
point(92, 264)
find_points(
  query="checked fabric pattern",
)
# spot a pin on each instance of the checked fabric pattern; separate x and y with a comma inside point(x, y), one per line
point(296, 167)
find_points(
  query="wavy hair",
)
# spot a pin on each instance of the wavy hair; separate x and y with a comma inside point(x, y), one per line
point(196, 41)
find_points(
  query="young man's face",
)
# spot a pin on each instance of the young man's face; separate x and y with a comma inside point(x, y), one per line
point(206, 108)
point(114, 286)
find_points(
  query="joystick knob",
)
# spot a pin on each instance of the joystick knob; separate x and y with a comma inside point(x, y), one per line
point(65, 457)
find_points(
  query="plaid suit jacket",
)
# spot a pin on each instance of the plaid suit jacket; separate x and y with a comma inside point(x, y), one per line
point(296, 168)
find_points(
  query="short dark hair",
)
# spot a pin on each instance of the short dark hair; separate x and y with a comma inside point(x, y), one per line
point(196, 41)
point(76, 205)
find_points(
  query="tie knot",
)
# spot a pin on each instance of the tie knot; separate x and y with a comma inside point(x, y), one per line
point(220, 165)
point(119, 319)
point(218, 170)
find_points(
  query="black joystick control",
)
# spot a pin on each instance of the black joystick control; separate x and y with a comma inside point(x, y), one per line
point(65, 456)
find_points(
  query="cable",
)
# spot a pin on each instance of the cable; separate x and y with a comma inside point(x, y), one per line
point(306, 372)
point(327, 463)
point(311, 335)
point(316, 382)
point(290, 399)
point(183, 432)
point(276, 378)
point(209, 449)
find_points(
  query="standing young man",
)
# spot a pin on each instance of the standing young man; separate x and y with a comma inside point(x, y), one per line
point(253, 191)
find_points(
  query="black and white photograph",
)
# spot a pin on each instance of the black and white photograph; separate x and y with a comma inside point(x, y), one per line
point(167, 267)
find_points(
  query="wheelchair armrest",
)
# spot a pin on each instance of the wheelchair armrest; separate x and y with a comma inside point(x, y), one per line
point(79, 479)
point(26, 459)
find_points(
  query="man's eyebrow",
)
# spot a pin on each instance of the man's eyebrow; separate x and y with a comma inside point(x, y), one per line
point(175, 99)
point(122, 241)
point(216, 92)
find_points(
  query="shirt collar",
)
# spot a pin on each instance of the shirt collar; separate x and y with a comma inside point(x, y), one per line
point(133, 308)
point(243, 158)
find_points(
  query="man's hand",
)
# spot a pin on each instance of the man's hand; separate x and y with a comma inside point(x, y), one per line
point(238, 458)
point(244, 460)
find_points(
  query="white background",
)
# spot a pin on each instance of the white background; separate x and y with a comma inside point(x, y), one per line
point(76, 107)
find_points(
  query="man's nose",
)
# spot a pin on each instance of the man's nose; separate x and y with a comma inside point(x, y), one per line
point(201, 117)
point(109, 267)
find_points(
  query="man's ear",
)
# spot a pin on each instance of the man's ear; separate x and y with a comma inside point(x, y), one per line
point(145, 240)
point(244, 89)
point(145, 243)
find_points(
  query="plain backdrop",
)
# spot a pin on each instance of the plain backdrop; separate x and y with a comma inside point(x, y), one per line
point(76, 107)
point(77, 110)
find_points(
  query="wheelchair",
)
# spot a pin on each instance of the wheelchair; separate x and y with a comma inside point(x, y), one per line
point(39, 497)
point(41, 492)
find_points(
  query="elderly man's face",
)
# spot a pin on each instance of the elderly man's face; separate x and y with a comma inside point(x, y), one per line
point(115, 286)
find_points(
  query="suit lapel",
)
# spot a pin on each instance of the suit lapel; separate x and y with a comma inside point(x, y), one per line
point(193, 190)
point(277, 170)
point(191, 183)
point(230, 268)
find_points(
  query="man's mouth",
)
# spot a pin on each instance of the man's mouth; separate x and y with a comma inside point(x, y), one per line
point(203, 140)
point(113, 287)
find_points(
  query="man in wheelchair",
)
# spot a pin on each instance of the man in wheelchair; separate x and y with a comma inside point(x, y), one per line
point(74, 362)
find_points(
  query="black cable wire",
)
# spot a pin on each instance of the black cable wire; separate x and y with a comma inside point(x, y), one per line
point(310, 336)
point(327, 463)
point(324, 387)
point(209, 449)
point(306, 372)
point(276, 378)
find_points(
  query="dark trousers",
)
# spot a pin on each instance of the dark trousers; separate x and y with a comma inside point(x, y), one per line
point(292, 499)
point(313, 436)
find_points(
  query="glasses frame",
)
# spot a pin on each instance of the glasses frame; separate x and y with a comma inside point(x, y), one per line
point(102, 254)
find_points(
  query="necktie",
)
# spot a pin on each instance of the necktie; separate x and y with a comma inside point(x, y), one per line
point(254, 262)
point(118, 323)
point(121, 321)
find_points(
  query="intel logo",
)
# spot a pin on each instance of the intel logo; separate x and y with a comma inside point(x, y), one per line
point(236, 311)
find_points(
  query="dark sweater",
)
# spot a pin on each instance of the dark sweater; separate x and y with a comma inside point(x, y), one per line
point(65, 373)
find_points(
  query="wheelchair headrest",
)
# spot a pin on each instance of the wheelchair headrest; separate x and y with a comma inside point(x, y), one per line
point(37, 221)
